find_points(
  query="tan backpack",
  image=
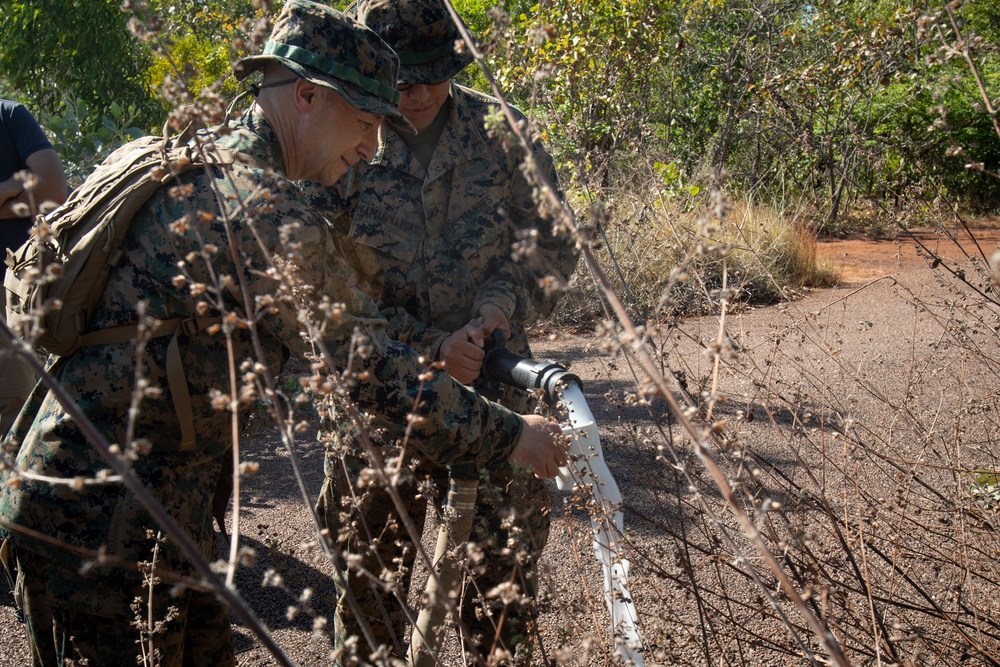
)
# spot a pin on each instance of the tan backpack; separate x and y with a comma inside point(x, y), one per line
point(56, 279)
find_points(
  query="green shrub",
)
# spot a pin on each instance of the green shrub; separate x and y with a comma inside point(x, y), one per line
point(83, 139)
point(74, 49)
point(985, 488)
point(202, 60)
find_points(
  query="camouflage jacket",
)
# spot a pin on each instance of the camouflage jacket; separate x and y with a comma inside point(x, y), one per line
point(432, 246)
point(458, 425)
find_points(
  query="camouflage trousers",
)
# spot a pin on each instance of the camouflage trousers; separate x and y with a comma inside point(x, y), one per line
point(510, 531)
point(64, 629)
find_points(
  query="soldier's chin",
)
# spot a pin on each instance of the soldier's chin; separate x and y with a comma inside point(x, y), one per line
point(335, 173)
point(421, 119)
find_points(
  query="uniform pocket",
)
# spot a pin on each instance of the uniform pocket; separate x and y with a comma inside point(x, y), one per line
point(477, 227)
point(379, 227)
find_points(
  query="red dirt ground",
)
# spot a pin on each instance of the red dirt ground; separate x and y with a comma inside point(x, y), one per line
point(862, 260)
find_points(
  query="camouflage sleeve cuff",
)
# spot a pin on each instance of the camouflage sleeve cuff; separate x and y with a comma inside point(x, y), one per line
point(427, 341)
point(497, 295)
point(407, 329)
point(434, 345)
point(502, 430)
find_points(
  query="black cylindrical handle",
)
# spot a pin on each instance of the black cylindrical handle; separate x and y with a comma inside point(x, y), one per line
point(504, 367)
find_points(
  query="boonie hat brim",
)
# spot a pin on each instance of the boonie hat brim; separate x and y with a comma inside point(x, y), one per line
point(355, 96)
point(413, 68)
point(424, 36)
point(326, 47)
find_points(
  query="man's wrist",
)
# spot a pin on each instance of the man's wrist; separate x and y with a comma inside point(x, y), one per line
point(11, 186)
point(503, 430)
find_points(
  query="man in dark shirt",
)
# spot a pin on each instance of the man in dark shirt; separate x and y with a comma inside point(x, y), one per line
point(23, 147)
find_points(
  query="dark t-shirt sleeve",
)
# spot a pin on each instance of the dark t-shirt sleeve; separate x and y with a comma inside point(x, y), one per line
point(25, 133)
point(21, 137)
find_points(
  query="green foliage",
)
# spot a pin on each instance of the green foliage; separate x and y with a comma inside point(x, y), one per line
point(217, 20)
point(854, 107)
point(673, 181)
point(202, 60)
point(81, 148)
point(197, 44)
point(475, 13)
point(848, 105)
point(76, 49)
point(963, 134)
point(985, 488)
point(588, 69)
point(84, 51)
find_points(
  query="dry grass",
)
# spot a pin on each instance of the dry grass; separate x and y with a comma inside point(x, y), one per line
point(858, 429)
point(667, 260)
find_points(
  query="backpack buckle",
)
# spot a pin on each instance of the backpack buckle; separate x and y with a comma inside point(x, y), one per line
point(190, 326)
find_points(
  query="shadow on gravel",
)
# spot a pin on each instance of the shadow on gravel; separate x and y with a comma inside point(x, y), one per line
point(271, 603)
point(275, 482)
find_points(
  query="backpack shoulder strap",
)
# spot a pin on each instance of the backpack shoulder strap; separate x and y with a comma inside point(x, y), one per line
point(176, 379)
point(179, 158)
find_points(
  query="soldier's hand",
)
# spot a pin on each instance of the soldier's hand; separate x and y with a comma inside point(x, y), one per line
point(462, 354)
point(539, 446)
point(492, 318)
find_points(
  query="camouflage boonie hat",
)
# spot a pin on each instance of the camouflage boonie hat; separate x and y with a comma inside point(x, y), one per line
point(326, 47)
point(422, 33)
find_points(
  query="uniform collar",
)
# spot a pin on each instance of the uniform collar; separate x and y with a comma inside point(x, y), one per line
point(462, 139)
point(253, 135)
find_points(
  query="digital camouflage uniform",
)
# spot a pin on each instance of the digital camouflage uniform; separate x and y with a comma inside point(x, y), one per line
point(432, 246)
point(73, 612)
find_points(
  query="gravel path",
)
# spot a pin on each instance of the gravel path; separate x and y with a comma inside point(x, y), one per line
point(855, 419)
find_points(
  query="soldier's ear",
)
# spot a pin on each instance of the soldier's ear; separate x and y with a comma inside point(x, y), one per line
point(307, 95)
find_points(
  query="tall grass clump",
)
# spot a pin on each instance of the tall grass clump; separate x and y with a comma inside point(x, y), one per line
point(672, 257)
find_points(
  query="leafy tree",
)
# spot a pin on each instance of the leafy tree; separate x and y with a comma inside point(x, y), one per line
point(846, 104)
point(198, 44)
point(961, 78)
point(81, 149)
point(822, 99)
point(74, 49)
point(590, 68)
